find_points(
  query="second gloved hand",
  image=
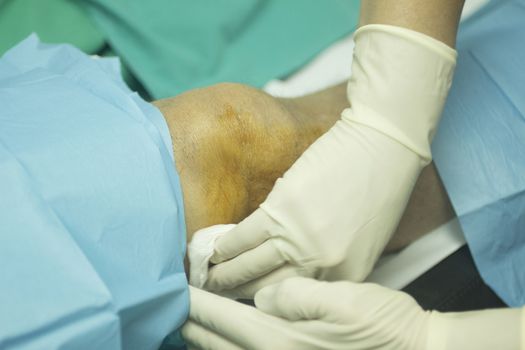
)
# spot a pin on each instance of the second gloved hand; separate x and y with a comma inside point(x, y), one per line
point(333, 212)
point(305, 314)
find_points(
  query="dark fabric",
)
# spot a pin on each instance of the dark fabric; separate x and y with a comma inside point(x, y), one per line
point(453, 285)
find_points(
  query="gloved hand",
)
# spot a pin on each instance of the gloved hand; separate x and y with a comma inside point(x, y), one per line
point(305, 314)
point(333, 212)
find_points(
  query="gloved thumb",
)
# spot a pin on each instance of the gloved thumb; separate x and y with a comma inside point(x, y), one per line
point(248, 234)
point(294, 299)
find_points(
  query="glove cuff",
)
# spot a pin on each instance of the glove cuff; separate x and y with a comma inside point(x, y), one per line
point(400, 80)
point(522, 328)
point(432, 44)
point(486, 329)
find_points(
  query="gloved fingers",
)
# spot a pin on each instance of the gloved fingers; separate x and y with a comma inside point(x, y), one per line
point(244, 268)
point(248, 234)
point(248, 290)
point(296, 299)
point(199, 337)
point(240, 324)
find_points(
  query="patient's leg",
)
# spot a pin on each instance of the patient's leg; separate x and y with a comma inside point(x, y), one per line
point(232, 142)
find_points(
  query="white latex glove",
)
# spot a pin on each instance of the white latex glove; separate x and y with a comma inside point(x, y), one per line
point(305, 314)
point(333, 212)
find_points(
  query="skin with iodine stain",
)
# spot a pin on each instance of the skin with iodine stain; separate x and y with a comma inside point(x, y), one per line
point(231, 143)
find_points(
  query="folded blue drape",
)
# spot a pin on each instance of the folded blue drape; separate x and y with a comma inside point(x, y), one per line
point(479, 148)
point(92, 232)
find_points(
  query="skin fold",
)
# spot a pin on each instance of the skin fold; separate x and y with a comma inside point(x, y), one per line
point(231, 143)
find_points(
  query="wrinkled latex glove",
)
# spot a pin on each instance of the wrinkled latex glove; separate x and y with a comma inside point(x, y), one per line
point(305, 314)
point(333, 212)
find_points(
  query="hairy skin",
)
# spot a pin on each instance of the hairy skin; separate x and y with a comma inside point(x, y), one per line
point(232, 142)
